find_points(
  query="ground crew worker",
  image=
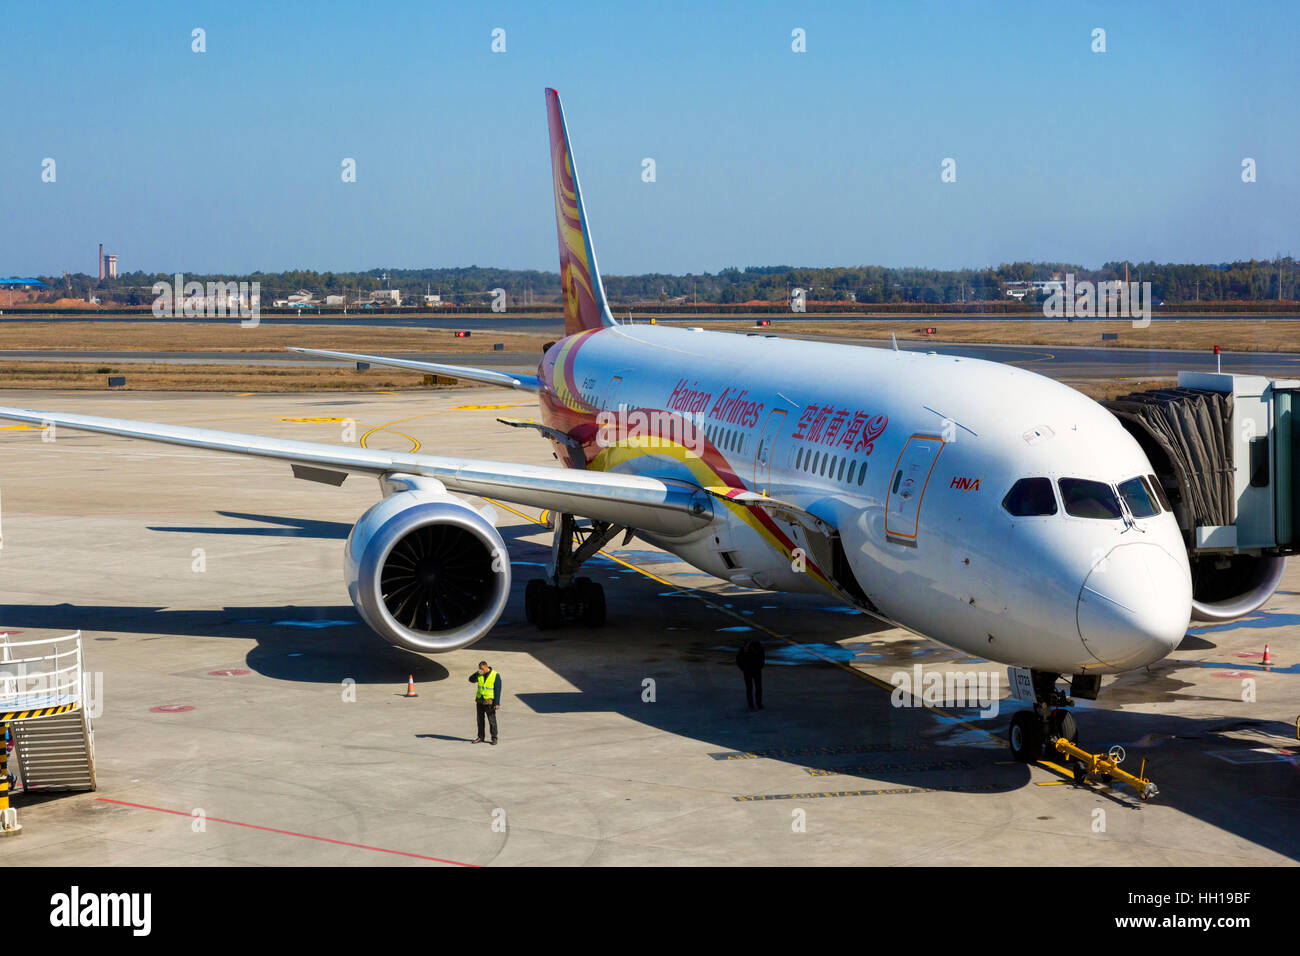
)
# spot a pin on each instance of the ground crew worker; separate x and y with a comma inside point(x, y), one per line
point(487, 698)
point(750, 660)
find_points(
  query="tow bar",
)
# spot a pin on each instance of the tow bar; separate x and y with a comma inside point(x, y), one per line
point(1085, 765)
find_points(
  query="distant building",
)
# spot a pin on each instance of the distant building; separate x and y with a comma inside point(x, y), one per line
point(387, 297)
point(334, 300)
point(110, 266)
point(433, 300)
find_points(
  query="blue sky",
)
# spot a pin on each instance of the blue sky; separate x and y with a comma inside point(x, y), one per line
point(229, 161)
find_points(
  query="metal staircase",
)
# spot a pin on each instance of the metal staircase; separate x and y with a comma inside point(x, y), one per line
point(43, 713)
point(56, 753)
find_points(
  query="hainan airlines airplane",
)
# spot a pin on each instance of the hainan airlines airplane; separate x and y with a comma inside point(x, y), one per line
point(977, 504)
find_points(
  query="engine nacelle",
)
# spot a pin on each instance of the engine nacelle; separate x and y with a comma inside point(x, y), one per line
point(426, 571)
point(1226, 587)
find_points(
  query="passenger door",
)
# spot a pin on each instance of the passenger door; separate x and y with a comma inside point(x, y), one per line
point(765, 448)
point(907, 488)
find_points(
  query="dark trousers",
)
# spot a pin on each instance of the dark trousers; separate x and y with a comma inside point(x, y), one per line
point(754, 687)
point(488, 711)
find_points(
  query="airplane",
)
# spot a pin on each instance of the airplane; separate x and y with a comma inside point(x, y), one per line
point(977, 504)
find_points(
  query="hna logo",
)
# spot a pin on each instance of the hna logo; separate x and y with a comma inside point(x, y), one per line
point(965, 484)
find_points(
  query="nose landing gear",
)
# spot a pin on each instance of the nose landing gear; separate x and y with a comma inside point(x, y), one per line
point(1050, 731)
point(561, 596)
point(1034, 733)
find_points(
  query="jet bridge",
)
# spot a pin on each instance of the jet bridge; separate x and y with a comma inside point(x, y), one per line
point(1226, 449)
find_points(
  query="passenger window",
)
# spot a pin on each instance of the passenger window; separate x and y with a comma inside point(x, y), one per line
point(1030, 497)
point(1134, 493)
point(798, 459)
point(840, 476)
point(852, 465)
point(862, 473)
point(1088, 499)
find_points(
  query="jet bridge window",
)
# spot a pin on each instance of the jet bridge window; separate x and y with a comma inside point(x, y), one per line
point(1088, 499)
point(1134, 493)
point(1030, 497)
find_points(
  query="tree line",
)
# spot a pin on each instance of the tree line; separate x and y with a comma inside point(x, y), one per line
point(1254, 280)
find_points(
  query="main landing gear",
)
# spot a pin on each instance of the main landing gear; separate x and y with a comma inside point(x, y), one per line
point(561, 595)
point(1034, 733)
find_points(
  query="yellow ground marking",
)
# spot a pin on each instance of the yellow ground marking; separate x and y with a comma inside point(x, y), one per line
point(415, 444)
point(314, 419)
point(1042, 358)
point(474, 408)
point(30, 428)
point(245, 394)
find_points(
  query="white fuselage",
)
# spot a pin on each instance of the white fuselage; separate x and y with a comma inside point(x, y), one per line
point(925, 533)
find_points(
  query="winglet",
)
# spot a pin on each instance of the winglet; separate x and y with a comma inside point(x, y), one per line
point(584, 296)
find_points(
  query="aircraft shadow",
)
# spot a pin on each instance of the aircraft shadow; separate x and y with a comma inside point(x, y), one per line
point(287, 527)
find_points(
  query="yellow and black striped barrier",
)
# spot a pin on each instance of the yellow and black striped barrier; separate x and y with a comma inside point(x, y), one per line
point(38, 712)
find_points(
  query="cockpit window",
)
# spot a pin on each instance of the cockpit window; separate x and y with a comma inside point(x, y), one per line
point(1159, 490)
point(1088, 499)
point(1135, 495)
point(1029, 497)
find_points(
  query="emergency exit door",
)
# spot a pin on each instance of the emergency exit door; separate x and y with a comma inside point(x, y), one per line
point(907, 488)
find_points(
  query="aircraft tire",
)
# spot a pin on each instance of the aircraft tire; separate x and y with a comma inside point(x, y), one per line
point(591, 598)
point(1026, 737)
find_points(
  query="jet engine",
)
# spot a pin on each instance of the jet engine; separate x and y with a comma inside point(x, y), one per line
point(425, 570)
point(1228, 586)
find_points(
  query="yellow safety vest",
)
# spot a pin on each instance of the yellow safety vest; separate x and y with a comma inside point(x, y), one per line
point(487, 687)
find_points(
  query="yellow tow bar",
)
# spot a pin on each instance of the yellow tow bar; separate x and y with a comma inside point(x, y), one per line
point(1086, 764)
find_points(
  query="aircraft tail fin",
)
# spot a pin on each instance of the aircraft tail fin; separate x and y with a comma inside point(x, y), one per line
point(584, 296)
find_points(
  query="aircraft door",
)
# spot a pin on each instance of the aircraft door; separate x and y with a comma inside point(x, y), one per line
point(912, 473)
point(765, 448)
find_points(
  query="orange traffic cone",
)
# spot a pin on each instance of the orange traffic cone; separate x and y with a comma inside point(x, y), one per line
point(1267, 658)
point(410, 686)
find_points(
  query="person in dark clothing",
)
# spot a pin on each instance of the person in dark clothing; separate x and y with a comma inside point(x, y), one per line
point(487, 698)
point(750, 659)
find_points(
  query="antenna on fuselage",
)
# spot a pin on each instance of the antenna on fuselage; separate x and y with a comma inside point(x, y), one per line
point(894, 339)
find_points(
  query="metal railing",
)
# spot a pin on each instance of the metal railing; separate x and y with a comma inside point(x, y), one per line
point(42, 674)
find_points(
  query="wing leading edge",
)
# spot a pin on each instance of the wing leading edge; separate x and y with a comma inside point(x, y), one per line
point(635, 501)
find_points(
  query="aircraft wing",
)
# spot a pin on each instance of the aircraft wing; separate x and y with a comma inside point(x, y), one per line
point(527, 383)
point(632, 501)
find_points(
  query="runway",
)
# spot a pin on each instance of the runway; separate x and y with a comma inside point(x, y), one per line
point(299, 748)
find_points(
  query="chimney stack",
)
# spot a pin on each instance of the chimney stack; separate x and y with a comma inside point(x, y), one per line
point(101, 260)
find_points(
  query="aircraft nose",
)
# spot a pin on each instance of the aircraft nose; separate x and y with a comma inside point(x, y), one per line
point(1135, 605)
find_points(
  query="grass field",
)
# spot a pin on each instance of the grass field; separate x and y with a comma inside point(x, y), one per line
point(230, 337)
point(522, 348)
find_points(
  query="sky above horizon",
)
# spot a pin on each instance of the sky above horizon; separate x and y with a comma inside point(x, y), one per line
point(230, 161)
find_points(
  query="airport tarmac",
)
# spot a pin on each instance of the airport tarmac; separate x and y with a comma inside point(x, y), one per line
point(238, 681)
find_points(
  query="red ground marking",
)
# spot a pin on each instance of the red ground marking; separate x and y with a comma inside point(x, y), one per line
point(170, 709)
point(305, 836)
point(227, 672)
